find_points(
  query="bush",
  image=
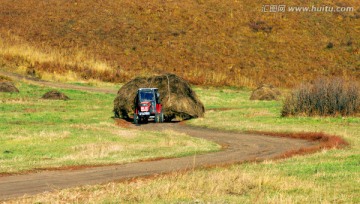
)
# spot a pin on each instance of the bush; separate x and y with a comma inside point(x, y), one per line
point(258, 26)
point(324, 97)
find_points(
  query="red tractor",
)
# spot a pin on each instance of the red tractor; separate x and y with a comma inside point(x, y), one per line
point(148, 105)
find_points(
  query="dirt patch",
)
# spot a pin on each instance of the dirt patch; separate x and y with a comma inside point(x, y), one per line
point(55, 95)
point(265, 92)
point(122, 123)
point(9, 87)
point(30, 110)
point(177, 97)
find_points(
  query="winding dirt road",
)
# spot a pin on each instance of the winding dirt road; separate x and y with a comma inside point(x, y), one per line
point(237, 147)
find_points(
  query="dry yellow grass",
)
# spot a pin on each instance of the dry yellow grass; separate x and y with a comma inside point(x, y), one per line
point(206, 42)
point(238, 184)
point(29, 57)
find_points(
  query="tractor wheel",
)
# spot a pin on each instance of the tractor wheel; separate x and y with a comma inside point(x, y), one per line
point(136, 119)
point(157, 118)
point(161, 117)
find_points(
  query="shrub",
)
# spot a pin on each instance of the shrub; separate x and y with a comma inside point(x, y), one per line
point(324, 97)
point(258, 26)
point(330, 45)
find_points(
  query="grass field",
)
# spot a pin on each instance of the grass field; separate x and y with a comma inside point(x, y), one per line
point(37, 133)
point(328, 176)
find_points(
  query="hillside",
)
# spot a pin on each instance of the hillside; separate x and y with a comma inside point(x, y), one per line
point(214, 42)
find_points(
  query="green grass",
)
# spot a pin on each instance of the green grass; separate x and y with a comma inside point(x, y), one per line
point(328, 176)
point(37, 133)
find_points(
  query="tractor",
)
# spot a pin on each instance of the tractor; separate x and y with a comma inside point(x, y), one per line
point(148, 106)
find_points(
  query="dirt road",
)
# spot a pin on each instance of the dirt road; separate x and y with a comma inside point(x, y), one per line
point(238, 147)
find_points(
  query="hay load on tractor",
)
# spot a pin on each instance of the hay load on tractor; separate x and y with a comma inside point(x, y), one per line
point(175, 95)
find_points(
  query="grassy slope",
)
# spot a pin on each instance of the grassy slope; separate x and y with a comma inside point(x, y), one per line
point(36, 133)
point(206, 42)
point(329, 176)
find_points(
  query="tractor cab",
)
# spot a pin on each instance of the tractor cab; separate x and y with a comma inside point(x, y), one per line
point(148, 106)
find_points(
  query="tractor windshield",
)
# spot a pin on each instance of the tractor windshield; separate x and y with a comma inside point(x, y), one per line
point(147, 96)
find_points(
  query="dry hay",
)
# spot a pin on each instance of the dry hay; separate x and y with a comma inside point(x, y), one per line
point(8, 86)
point(55, 95)
point(265, 92)
point(177, 97)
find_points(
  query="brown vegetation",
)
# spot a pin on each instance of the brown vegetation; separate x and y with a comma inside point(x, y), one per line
point(4, 79)
point(55, 95)
point(324, 97)
point(265, 92)
point(177, 97)
point(205, 42)
point(7, 86)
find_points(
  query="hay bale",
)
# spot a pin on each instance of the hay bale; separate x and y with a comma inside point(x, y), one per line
point(7, 86)
point(265, 92)
point(55, 95)
point(176, 95)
